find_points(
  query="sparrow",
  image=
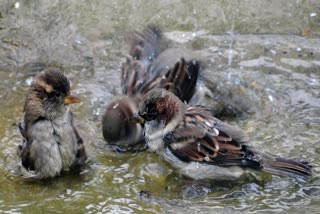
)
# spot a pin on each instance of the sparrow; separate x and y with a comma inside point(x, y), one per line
point(201, 146)
point(51, 143)
point(150, 64)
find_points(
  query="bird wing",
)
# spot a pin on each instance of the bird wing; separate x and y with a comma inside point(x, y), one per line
point(41, 152)
point(24, 148)
point(201, 137)
point(145, 46)
point(181, 79)
point(81, 155)
point(148, 66)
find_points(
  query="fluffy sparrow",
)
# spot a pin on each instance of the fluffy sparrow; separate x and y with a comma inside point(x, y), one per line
point(202, 147)
point(51, 143)
point(149, 65)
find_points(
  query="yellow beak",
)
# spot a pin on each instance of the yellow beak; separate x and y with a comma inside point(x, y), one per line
point(70, 99)
point(137, 119)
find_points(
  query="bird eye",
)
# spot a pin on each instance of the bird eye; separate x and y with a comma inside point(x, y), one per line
point(56, 93)
point(148, 116)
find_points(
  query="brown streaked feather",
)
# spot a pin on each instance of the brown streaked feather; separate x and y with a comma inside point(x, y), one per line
point(287, 167)
point(131, 82)
point(81, 151)
point(206, 142)
point(219, 148)
point(181, 79)
point(144, 47)
point(147, 44)
point(141, 72)
point(150, 84)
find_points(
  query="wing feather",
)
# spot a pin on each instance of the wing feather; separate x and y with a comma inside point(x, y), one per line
point(200, 138)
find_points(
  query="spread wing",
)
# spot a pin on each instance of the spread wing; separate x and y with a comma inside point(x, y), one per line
point(144, 48)
point(201, 137)
point(143, 71)
point(181, 79)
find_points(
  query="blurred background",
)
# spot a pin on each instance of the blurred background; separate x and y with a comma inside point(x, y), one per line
point(267, 51)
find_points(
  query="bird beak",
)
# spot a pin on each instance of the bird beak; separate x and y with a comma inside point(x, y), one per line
point(137, 119)
point(70, 99)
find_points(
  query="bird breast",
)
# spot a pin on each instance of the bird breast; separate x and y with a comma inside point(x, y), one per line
point(66, 139)
point(154, 133)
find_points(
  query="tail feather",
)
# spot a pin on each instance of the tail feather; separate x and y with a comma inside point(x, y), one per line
point(282, 166)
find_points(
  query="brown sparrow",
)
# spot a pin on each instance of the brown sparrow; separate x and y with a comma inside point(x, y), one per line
point(202, 147)
point(51, 143)
point(149, 65)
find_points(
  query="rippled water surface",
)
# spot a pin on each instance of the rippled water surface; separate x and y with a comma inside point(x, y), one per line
point(267, 50)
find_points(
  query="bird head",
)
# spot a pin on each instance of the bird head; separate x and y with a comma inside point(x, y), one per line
point(160, 105)
point(49, 94)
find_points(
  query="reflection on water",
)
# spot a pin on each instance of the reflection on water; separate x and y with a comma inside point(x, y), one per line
point(269, 51)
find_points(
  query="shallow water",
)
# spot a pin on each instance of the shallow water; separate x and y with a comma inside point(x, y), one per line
point(269, 50)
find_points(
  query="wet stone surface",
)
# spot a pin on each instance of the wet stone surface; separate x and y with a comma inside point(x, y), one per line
point(265, 52)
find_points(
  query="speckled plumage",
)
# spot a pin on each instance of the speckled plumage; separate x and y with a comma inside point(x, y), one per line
point(149, 65)
point(201, 146)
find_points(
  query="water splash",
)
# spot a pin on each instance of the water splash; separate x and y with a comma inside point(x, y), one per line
point(230, 52)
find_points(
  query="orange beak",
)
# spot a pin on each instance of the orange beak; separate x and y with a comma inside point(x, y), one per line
point(70, 99)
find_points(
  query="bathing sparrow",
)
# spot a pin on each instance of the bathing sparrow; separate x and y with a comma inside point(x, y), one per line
point(200, 146)
point(51, 143)
point(149, 65)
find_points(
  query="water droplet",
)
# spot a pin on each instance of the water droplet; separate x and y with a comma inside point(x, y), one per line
point(273, 52)
point(199, 147)
point(115, 106)
point(270, 97)
point(313, 14)
point(163, 77)
point(189, 76)
point(16, 5)
point(208, 123)
point(29, 81)
point(216, 131)
point(298, 49)
point(269, 89)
